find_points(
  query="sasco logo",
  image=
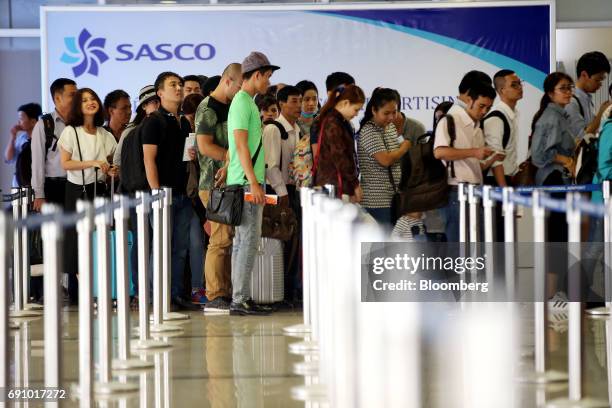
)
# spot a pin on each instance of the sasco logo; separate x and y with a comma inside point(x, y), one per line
point(90, 52)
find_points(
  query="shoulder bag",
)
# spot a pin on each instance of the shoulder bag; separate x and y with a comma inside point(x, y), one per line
point(225, 203)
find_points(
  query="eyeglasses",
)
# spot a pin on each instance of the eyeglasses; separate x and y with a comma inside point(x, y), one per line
point(516, 84)
point(566, 89)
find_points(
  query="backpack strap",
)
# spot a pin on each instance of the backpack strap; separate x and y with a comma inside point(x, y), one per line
point(281, 128)
point(500, 115)
point(579, 105)
point(76, 134)
point(452, 134)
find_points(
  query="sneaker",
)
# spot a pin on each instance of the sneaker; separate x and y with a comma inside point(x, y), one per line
point(183, 304)
point(218, 305)
point(558, 303)
point(198, 296)
point(247, 307)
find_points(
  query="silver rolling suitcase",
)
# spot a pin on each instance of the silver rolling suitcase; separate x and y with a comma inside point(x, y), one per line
point(267, 276)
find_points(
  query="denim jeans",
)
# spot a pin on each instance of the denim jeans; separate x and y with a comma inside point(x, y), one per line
point(196, 251)
point(182, 214)
point(246, 240)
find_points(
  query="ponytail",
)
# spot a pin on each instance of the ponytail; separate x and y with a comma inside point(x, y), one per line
point(380, 97)
point(351, 93)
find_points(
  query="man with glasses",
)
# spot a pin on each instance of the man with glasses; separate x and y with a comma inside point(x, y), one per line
point(500, 129)
point(591, 71)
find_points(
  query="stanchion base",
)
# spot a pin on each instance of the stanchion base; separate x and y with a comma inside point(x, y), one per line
point(132, 364)
point(304, 347)
point(599, 311)
point(13, 314)
point(75, 392)
point(310, 393)
point(306, 368)
point(144, 345)
point(33, 306)
point(162, 328)
point(114, 389)
point(547, 377)
point(175, 316)
point(583, 403)
point(297, 329)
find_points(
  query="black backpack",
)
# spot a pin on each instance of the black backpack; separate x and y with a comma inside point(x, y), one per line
point(23, 165)
point(133, 174)
point(424, 182)
point(50, 138)
point(502, 117)
point(589, 152)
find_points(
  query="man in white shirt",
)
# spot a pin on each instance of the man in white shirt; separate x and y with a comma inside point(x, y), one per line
point(48, 176)
point(501, 127)
point(279, 140)
point(463, 151)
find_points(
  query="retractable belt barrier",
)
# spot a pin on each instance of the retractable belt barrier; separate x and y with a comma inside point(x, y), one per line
point(89, 219)
point(348, 344)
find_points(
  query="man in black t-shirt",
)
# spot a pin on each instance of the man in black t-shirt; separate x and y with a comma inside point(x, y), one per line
point(164, 135)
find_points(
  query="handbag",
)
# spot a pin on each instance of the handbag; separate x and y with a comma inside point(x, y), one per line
point(278, 223)
point(525, 175)
point(225, 203)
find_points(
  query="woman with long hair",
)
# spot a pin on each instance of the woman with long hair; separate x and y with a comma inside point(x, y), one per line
point(379, 151)
point(552, 152)
point(85, 148)
point(335, 158)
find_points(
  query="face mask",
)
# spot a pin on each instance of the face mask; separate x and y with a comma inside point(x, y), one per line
point(308, 115)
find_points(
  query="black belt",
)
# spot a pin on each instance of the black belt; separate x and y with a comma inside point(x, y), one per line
point(56, 178)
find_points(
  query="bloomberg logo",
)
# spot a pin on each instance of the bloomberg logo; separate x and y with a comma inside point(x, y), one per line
point(91, 53)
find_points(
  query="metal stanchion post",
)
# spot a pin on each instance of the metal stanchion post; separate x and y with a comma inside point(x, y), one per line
point(607, 310)
point(84, 227)
point(313, 205)
point(575, 316)
point(158, 325)
point(489, 216)
point(20, 262)
point(6, 225)
point(53, 248)
point(463, 237)
point(105, 386)
point(142, 212)
point(124, 362)
point(301, 329)
point(473, 218)
point(167, 259)
point(540, 375)
point(509, 209)
point(26, 200)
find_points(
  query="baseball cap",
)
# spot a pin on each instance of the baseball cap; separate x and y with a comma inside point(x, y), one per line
point(257, 60)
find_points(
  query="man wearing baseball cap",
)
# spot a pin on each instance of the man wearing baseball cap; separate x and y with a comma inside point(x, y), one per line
point(247, 167)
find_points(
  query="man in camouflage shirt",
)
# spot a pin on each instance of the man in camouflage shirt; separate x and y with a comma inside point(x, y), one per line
point(212, 139)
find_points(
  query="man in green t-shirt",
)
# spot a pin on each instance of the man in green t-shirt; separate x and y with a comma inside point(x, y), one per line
point(211, 136)
point(247, 167)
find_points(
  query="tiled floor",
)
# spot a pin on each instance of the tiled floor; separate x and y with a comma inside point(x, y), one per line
point(223, 361)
